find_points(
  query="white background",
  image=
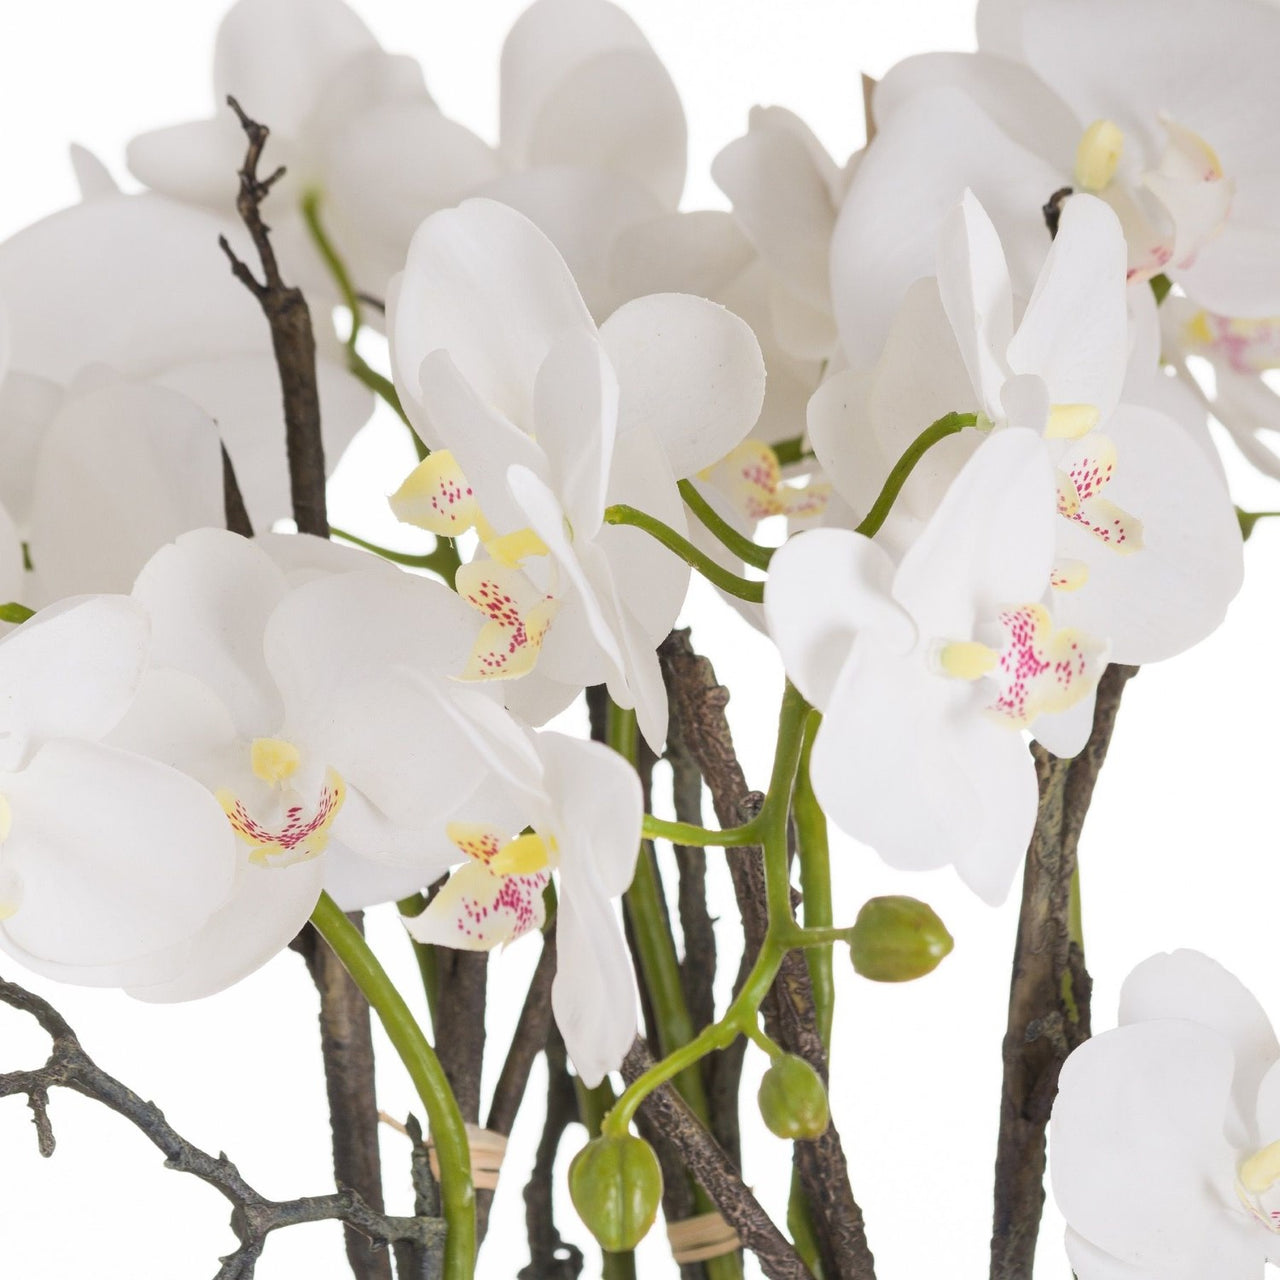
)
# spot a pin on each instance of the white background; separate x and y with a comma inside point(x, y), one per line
point(1180, 849)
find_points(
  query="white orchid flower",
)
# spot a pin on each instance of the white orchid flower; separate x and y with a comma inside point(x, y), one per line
point(540, 421)
point(1148, 548)
point(1117, 99)
point(927, 672)
point(582, 805)
point(786, 192)
point(154, 301)
point(109, 860)
point(1165, 1138)
point(308, 691)
point(353, 125)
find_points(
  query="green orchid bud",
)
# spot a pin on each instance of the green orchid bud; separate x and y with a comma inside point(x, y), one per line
point(896, 939)
point(616, 1186)
point(792, 1099)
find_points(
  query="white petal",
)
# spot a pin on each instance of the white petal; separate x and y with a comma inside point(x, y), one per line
point(973, 282)
point(838, 419)
point(118, 856)
point(575, 415)
point(582, 86)
point(690, 371)
point(476, 910)
point(103, 639)
point(27, 406)
point(701, 252)
point(1173, 592)
point(209, 596)
point(989, 544)
point(923, 157)
point(1190, 986)
point(190, 162)
point(123, 471)
point(593, 995)
point(484, 283)
point(93, 178)
point(825, 587)
point(1074, 333)
point(277, 55)
point(1137, 1142)
point(270, 905)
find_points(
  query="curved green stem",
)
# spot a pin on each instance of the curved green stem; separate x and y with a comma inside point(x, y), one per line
point(444, 560)
point(423, 952)
point(743, 588)
point(749, 552)
point(448, 1133)
point(1248, 519)
point(949, 425)
point(815, 882)
point(333, 261)
point(688, 834)
point(782, 933)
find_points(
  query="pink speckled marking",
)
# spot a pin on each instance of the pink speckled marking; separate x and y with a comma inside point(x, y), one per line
point(301, 835)
point(1041, 669)
point(1090, 469)
point(504, 908)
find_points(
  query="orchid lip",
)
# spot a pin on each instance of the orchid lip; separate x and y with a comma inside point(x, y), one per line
point(1256, 1178)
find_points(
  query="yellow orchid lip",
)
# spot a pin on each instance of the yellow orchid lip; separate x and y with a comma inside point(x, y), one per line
point(302, 834)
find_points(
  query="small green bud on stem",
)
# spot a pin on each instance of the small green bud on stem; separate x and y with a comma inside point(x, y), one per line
point(897, 939)
point(616, 1186)
point(792, 1100)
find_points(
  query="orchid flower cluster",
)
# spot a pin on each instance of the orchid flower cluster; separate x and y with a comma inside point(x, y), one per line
point(934, 420)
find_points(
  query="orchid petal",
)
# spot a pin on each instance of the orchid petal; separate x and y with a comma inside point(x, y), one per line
point(476, 910)
point(690, 371)
point(581, 85)
point(118, 856)
point(826, 587)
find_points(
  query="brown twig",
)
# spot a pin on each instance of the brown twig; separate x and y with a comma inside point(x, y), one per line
point(550, 1257)
point(716, 1173)
point(253, 1216)
point(237, 514)
point(697, 704)
point(292, 338)
point(346, 1034)
point(1050, 989)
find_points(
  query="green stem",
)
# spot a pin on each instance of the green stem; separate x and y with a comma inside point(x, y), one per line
point(1248, 519)
point(333, 261)
point(15, 612)
point(593, 1106)
point(743, 588)
point(687, 834)
point(448, 1133)
point(660, 968)
point(789, 451)
point(751, 553)
point(425, 954)
point(444, 560)
point(815, 883)
point(742, 1015)
point(945, 426)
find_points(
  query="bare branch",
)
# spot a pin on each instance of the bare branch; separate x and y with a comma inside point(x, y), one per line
point(1050, 990)
point(253, 1216)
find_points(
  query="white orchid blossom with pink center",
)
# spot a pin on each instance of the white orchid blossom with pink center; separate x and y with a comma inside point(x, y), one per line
point(1148, 548)
point(571, 807)
point(927, 671)
point(1164, 1147)
point(109, 860)
point(539, 421)
point(305, 685)
point(155, 302)
point(1106, 97)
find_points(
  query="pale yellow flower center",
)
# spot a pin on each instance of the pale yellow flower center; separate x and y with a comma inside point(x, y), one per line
point(1098, 155)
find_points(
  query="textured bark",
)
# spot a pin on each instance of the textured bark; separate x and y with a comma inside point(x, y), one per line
point(666, 1111)
point(697, 706)
point(1050, 989)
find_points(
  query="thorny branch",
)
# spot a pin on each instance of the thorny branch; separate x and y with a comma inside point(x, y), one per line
point(1050, 989)
point(253, 1216)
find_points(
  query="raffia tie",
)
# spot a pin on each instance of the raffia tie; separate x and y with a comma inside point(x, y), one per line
point(487, 1150)
point(702, 1237)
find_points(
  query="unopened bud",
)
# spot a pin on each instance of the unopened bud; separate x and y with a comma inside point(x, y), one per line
point(793, 1101)
point(896, 939)
point(616, 1187)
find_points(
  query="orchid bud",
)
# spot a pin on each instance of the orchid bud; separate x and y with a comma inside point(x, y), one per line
point(616, 1186)
point(793, 1100)
point(897, 939)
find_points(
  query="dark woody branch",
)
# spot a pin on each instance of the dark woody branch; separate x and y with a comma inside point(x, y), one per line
point(253, 1216)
